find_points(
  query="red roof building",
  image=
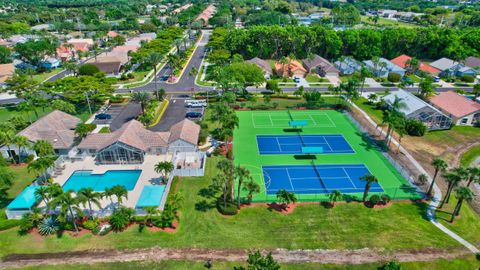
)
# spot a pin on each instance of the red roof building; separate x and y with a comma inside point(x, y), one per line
point(402, 60)
point(463, 111)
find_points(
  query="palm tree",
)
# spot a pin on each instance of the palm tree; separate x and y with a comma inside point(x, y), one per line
point(68, 206)
point(286, 197)
point(173, 62)
point(42, 193)
point(164, 168)
point(227, 168)
point(150, 212)
point(153, 59)
point(43, 148)
point(120, 192)
point(6, 139)
point(71, 67)
point(221, 181)
point(335, 196)
point(473, 175)
point(453, 179)
point(21, 142)
point(364, 73)
point(88, 196)
point(142, 98)
point(242, 174)
point(108, 193)
point(462, 194)
point(369, 180)
point(440, 166)
point(251, 187)
point(41, 165)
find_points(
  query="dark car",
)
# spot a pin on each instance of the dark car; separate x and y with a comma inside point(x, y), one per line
point(164, 78)
point(103, 116)
point(193, 115)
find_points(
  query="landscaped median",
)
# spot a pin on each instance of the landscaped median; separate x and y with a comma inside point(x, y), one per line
point(159, 111)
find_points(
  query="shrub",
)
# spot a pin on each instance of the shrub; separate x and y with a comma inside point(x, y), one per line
point(68, 226)
point(29, 158)
point(467, 79)
point(229, 210)
point(88, 69)
point(394, 77)
point(123, 77)
point(26, 224)
point(374, 199)
point(130, 75)
point(273, 85)
point(6, 224)
point(116, 99)
point(90, 224)
point(415, 127)
point(121, 218)
point(391, 266)
point(385, 199)
point(49, 225)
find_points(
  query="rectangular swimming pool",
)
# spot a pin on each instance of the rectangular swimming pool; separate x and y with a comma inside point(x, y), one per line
point(292, 144)
point(99, 182)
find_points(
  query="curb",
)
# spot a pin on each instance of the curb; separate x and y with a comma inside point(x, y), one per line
point(188, 61)
point(159, 117)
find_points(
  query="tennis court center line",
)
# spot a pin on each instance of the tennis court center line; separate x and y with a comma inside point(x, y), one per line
point(289, 178)
point(349, 178)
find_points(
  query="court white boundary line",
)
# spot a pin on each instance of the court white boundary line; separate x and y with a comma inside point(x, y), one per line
point(349, 178)
point(323, 136)
point(270, 114)
point(289, 178)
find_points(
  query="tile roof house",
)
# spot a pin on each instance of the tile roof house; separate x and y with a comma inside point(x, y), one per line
point(110, 62)
point(264, 65)
point(112, 34)
point(382, 71)
point(415, 108)
point(462, 110)
point(57, 127)
point(126, 48)
point(291, 69)
point(450, 67)
point(320, 66)
point(348, 66)
point(132, 141)
point(6, 72)
point(473, 62)
point(403, 59)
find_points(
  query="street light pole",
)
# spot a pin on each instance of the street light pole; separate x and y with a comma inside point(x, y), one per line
point(88, 102)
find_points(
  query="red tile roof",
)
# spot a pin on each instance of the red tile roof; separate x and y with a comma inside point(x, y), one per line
point(401, 61)
point(455, 104)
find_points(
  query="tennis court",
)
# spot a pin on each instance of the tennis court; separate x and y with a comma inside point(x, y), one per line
point(292, 144)
point(317, 179)
point(281, 119)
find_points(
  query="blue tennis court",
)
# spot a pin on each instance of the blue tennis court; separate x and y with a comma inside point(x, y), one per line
point(317, 179)
point(292, 144)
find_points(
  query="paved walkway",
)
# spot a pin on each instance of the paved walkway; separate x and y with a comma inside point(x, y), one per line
point(437, 192)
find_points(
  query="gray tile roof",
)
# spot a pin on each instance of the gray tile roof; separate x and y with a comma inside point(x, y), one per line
point(443, 63)
point(56, 127)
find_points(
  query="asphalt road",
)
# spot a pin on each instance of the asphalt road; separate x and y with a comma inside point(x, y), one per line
point(187, 82)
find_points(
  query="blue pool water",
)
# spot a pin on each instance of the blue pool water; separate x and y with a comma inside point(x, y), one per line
point(99, 182)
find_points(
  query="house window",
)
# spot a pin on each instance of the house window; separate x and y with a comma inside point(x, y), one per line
point(464, 121)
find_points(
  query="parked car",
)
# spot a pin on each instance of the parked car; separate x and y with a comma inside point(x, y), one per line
point(193, 115)
point(436, 79)
point(296, 79)
point(164, 78)
point(103, 116)
point(195, 105)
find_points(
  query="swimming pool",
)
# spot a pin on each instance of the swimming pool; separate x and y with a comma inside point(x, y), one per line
point(99, 182)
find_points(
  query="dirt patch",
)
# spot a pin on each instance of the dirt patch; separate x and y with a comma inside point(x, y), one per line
point(358, 256)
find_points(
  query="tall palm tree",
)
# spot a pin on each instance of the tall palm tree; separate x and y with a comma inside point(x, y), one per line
point(87, 196)
point(43, 148)
point(369, 180)
point(227, 168)
point(6, 139)
point(141, 98)
point(150, 212)
point(173, 61)
point(251, 187)
point(108, 193)
point(120, 192)
point(335, 196)
point(440, 166)
point(473, 174)
point(41, 165)
point(453, 178)
point(364, 73)
point(164, 168)
point(153, 59)
point(241, 174)
point(22, 143)
point(68, 206)
point(462, 194)
point(42, 193)
point(221, 181)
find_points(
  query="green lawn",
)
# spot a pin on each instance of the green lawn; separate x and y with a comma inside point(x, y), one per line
point(314, 78)
point(469, 156)
point(468, 262)
point(254, 123)
point(45, 75)
point(347, 226)
point(10, 111)
point(374, 113)
point(104, 130)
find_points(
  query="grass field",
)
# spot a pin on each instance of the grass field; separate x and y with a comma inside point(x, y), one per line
point(469, 156)
point(257, 123)
point(458, 264)
point(347, 226)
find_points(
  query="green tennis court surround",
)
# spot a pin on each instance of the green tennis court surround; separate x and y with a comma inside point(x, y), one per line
point(257, 131)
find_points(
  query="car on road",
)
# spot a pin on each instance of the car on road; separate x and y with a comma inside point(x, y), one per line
point(164, 78)
point(103, 116)
point(196, 105)
point(436, 79)
point(183, 96)
point(193, 115)
point(296, 79)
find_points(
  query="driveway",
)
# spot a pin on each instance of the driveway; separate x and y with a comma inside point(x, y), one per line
point(174, 113)
point(372, 83)
point(334, 80)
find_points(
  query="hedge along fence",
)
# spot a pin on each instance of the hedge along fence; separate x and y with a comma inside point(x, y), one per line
point(161, 108)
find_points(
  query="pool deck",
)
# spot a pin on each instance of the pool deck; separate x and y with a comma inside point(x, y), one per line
point(147, 177)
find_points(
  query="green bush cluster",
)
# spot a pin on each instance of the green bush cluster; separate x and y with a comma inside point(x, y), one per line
point(229, 210)
point(6, 224)
point(468, 79)
point(394, 77)
point(90, 224)
point(415, 127)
